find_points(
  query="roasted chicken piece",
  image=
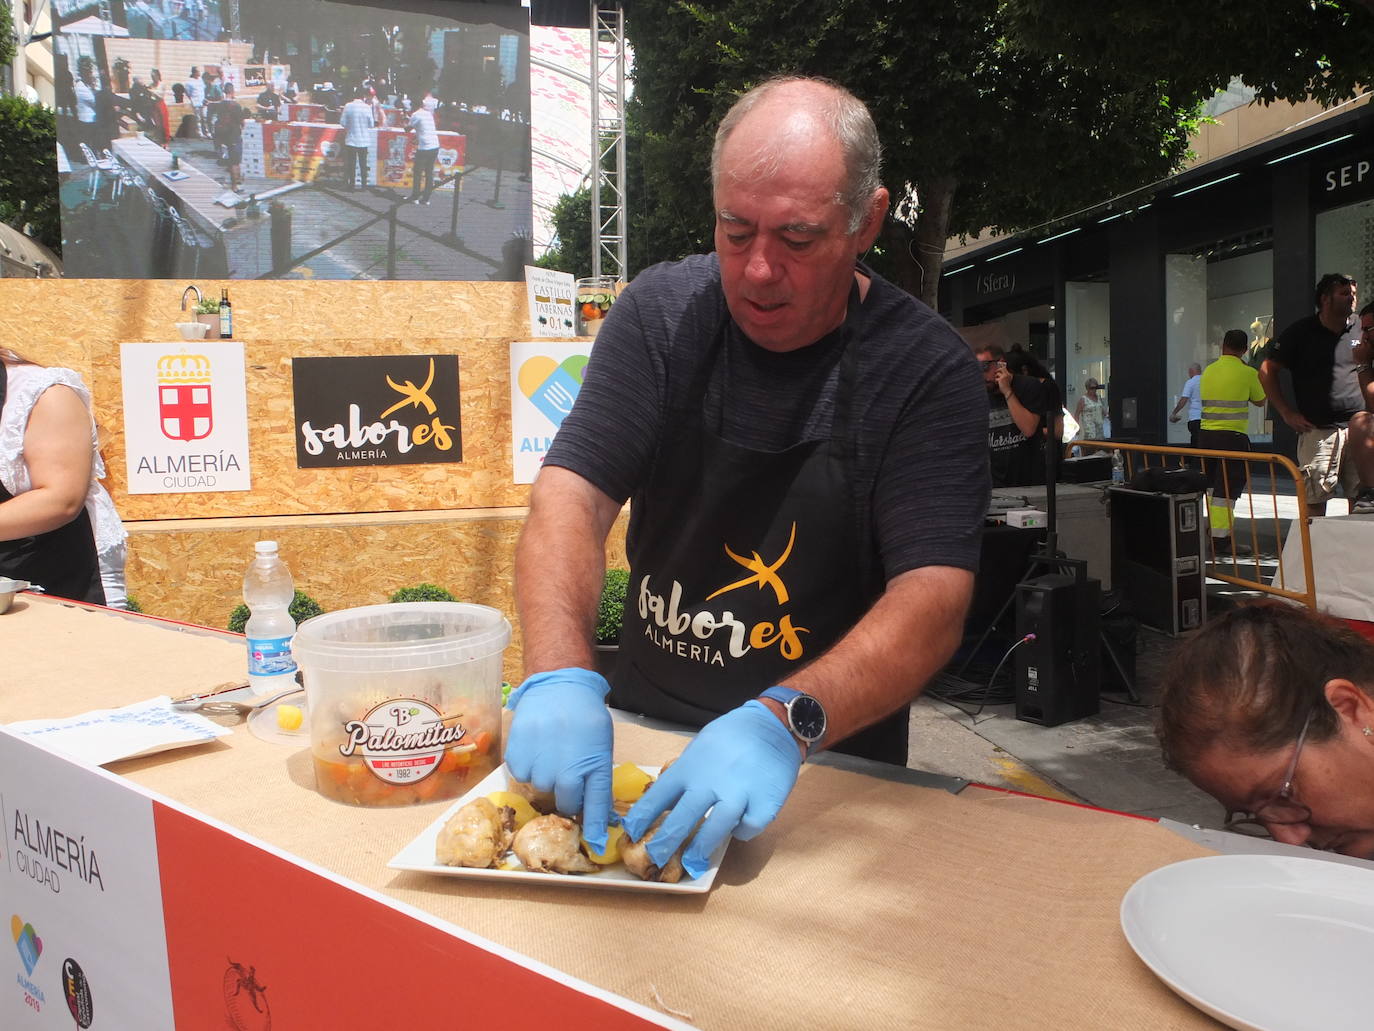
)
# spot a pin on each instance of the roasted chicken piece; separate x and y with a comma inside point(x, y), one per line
point(552, 844)
point(635, 856)
point(477, 835)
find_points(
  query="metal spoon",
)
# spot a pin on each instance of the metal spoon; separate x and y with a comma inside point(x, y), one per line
point(211, 704)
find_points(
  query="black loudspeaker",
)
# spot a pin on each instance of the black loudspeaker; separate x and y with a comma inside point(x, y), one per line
point(1058, 674)
point(1158, 557)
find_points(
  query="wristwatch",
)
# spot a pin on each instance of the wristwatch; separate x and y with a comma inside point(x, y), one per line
point(805, 714)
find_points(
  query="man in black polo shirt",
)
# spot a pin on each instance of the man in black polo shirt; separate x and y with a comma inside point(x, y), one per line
point(1321, 360)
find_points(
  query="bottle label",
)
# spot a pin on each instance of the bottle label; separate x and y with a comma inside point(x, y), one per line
point(268, 656)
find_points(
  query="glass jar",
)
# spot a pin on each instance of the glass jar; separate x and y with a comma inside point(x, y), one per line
point(595, 295)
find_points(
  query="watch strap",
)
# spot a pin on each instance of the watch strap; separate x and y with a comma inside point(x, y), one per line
point(785, 696)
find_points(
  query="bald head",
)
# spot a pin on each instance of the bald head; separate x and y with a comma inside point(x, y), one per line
point(790, 115)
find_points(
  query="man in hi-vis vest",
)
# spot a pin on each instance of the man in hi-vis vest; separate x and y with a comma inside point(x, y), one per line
point(1228, 388)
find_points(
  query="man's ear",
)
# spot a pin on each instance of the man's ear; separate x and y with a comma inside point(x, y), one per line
point(873, 221)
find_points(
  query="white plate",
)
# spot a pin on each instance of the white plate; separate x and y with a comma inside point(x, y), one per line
point(1262, 943)
point(175, 175)
point(418, 856)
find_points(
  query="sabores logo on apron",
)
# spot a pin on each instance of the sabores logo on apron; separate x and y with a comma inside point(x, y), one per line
point(713, 637)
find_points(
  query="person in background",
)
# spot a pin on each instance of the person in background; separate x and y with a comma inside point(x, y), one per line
point(357, 122)
point(1361, 439)
point(774, 399)
point(426, 150)
point(1190, 398)
point(269, 102)
point(1022, 363)
point(292, 92)
point(84, 90)
point(1270, 710)
point(1326, 389)
point(1228, 388)
point(1015, 419)
point(58, 525)
point(1090, 411)
point(214, 96)
point(195, 96)
point(229, 135)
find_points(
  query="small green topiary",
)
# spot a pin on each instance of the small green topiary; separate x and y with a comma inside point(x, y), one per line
point(610, 611)
point(131, 603)
point(422, 592)
point(302, 608)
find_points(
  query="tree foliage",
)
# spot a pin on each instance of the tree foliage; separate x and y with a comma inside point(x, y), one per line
point(978, 132)
point(28, 169)
point(7, 41)
point(1289, 50)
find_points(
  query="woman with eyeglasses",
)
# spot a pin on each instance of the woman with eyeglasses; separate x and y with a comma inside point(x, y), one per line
point(1270, 709)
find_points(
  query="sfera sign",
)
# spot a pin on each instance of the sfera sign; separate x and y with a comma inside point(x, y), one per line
point(391, 410)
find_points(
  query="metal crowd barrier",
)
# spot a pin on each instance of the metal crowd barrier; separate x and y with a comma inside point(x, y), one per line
point(1245, 571)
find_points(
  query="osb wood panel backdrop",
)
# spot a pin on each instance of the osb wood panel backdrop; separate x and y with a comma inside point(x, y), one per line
point(80, 324)
point(191, 568)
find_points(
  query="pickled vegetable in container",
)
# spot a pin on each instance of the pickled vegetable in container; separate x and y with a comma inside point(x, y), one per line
point(404, 699)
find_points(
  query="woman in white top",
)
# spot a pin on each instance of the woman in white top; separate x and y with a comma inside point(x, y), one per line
point(58, 525)
point(1089, 411)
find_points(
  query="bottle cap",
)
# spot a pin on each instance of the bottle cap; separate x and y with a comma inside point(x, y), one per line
point(265, 547)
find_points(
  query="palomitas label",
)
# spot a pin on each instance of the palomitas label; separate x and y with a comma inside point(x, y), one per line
point(402, 740)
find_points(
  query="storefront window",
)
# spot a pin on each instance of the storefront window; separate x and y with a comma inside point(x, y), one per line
point(1087, 341)
point(1345, 243)
point(1205, 298)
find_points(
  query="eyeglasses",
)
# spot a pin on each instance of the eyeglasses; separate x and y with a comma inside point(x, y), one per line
point(1278, 808)
point(991, 362)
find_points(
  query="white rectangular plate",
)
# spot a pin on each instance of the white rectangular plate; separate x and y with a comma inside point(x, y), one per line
point(418, 856)
point(175, 175)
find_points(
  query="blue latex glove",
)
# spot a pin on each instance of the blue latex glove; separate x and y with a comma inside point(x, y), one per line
point(560, 741)
point(743, 764)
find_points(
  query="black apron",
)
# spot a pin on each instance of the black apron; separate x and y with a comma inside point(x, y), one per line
point(746, 565)
point(62, 561)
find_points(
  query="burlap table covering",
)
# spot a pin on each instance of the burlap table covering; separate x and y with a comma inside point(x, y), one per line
point(867, 904)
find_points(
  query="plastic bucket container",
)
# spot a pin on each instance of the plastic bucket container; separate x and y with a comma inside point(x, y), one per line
point(404, 699)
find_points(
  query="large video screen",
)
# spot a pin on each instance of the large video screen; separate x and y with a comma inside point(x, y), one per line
point(293, 139)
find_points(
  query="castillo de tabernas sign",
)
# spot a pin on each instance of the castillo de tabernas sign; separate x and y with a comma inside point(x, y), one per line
point(185, 417)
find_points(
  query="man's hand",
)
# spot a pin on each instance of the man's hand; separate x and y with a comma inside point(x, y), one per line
point(560, 741)
point(1173, 418)
point(743, 764)
point(1297, 421)
point(1003, 375)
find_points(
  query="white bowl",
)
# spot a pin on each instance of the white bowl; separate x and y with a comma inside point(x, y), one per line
point(192, 330)
point(8, 589)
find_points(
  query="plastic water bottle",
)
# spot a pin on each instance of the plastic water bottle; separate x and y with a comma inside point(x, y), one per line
point(268, 592)
point(1118, 468)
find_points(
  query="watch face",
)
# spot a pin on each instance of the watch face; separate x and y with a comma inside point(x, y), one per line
point(807, 717)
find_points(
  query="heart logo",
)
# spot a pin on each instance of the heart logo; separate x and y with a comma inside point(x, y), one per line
point(552, 387)
point(448, 159)
point(28, 943)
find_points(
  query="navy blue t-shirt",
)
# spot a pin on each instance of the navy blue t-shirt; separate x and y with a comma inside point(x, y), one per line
point(920, 410)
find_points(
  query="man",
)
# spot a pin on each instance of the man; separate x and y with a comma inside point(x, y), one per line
point(1326, 388)
point(229, 121)
point(421, 123)
point(1228, 385)
point(1361, 442)
point(357, 124)
point(214, 97)
point(269, 103)
point(195, 96)
point(1016, 406)
point(1189, 396)
point(803, 444)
